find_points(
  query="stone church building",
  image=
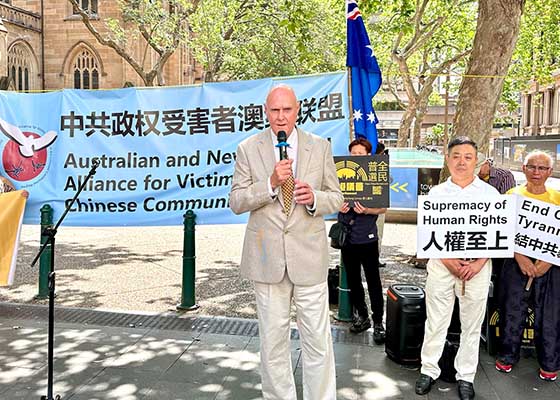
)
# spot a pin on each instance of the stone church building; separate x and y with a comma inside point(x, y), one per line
point(44, 45)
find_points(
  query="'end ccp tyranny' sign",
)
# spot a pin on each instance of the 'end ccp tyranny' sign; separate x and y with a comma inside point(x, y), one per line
point(477, 227)
point(538, 230)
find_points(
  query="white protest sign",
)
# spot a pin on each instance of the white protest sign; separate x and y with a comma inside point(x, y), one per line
point(538, 230)
point(468, 227)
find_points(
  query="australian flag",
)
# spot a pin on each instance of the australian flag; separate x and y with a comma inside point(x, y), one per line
point(366, 75)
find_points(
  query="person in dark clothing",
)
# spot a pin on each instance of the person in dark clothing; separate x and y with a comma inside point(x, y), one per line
point(502, 179)
point(517, 293)
point(363, 251)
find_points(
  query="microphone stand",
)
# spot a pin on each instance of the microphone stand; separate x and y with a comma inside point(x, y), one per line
point(51, 233)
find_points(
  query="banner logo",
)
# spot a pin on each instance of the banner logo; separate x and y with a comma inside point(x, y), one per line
point(25, 155)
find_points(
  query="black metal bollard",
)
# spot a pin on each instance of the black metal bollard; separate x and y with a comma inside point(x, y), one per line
point(188, 302)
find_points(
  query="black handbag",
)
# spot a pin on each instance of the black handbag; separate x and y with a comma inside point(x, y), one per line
point(333, 279)
point(340, 234)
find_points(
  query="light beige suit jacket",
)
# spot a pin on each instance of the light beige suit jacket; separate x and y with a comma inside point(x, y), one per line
point(276, 243)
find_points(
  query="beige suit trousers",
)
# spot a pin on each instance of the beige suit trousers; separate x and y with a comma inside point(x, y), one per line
point(441, 289)
point(274, 303)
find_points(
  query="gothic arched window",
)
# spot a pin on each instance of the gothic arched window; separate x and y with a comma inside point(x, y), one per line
point(85, 66)
point(87, 5)
point(21, 67)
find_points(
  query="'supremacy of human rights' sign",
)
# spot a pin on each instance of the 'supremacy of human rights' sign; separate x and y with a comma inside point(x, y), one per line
point(476, 227)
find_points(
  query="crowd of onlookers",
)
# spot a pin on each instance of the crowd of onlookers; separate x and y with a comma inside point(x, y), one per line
point(522, 281)
point(472, 174)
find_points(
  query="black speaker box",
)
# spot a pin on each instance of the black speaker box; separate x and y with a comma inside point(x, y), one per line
point(406, 315)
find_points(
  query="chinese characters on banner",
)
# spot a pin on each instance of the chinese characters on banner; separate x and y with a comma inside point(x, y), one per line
point(364, 179)
point(196, 121)
point(538, 230)
point(478, 227)
point(161, 151)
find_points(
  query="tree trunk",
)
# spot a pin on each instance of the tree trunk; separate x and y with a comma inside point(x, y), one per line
point(421, 111)
point(417, 133)
point(496, 34)
point(404, 129)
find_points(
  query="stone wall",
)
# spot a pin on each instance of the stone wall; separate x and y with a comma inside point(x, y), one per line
point(65, 35)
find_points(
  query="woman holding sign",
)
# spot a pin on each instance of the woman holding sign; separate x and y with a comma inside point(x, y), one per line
point(524, 279)
point(363, 251)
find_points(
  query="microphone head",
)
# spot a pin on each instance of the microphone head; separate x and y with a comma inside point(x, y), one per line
point(282, 137)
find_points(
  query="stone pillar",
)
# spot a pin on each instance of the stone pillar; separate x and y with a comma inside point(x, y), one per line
point(547, 116)
point(556, 107)
point(525, 111)
point(3, 50)
point(536, 113)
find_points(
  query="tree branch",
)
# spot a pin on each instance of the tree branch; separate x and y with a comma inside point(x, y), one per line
point(110, 42)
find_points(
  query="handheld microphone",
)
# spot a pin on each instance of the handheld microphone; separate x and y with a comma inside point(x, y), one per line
point(282, 145)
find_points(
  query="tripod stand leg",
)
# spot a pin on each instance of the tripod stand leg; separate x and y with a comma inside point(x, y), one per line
point(51, 232)
point(50, 355)
point(52, 278)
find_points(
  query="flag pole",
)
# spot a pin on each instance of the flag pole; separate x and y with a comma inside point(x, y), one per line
point(351, 111)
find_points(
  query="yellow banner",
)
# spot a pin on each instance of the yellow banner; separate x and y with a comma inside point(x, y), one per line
point(12, 205)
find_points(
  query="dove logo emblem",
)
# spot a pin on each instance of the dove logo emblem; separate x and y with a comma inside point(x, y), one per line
point(24, 156)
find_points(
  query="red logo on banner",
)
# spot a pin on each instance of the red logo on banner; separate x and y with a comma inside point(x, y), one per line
point(25, 155)
point(22, 168)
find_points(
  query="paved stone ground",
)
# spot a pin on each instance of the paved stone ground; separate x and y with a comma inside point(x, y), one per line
point(140, 268)
point(139, 362)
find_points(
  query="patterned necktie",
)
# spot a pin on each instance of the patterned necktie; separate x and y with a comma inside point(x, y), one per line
point(288, 193)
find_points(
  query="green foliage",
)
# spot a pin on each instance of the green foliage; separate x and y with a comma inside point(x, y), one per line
point(435, 136)
point(504, 122)
point(397, 26)
point(162, 21)
point(538, 47)
point(249, 39)
point(435, 99)
point(387, 106)
point(537, 51)
point(145, 35)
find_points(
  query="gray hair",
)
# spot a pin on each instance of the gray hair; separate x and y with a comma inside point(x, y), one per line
point(539, 153)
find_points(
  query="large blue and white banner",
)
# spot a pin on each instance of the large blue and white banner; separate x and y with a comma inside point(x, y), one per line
point(162, 151)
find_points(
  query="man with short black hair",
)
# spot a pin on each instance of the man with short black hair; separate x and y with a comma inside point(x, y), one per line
point(447, 277)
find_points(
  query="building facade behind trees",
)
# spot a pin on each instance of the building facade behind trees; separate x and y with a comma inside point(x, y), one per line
point(540, 109)
point(50, 48)
point(538, 128)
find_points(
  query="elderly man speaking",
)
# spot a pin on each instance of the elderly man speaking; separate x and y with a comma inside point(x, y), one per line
point(285, 252)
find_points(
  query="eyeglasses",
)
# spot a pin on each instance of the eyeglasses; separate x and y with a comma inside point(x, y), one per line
point(534, 168)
